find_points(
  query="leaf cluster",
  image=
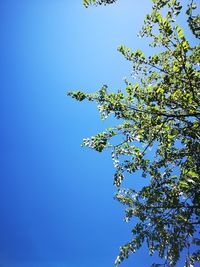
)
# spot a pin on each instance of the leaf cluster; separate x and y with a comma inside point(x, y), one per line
point(159, 112)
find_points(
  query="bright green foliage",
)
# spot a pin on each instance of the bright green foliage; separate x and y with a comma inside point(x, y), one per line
point(159, 110)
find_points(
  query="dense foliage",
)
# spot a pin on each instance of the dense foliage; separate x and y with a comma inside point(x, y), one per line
point(97, 2)
point(159, 110)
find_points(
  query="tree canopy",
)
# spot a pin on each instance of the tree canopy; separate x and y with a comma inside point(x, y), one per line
point(159, 110)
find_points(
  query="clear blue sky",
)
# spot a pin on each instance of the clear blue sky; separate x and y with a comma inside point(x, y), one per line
point(56, 199)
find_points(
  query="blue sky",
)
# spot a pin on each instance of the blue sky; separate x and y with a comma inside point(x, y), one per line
point(56, 198)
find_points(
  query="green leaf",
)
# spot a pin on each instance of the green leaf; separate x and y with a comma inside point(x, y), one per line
point(180, 32)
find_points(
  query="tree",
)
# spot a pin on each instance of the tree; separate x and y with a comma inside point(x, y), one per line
point(158, 110)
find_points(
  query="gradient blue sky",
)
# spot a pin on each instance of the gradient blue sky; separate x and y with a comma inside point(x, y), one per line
point(56, 199)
